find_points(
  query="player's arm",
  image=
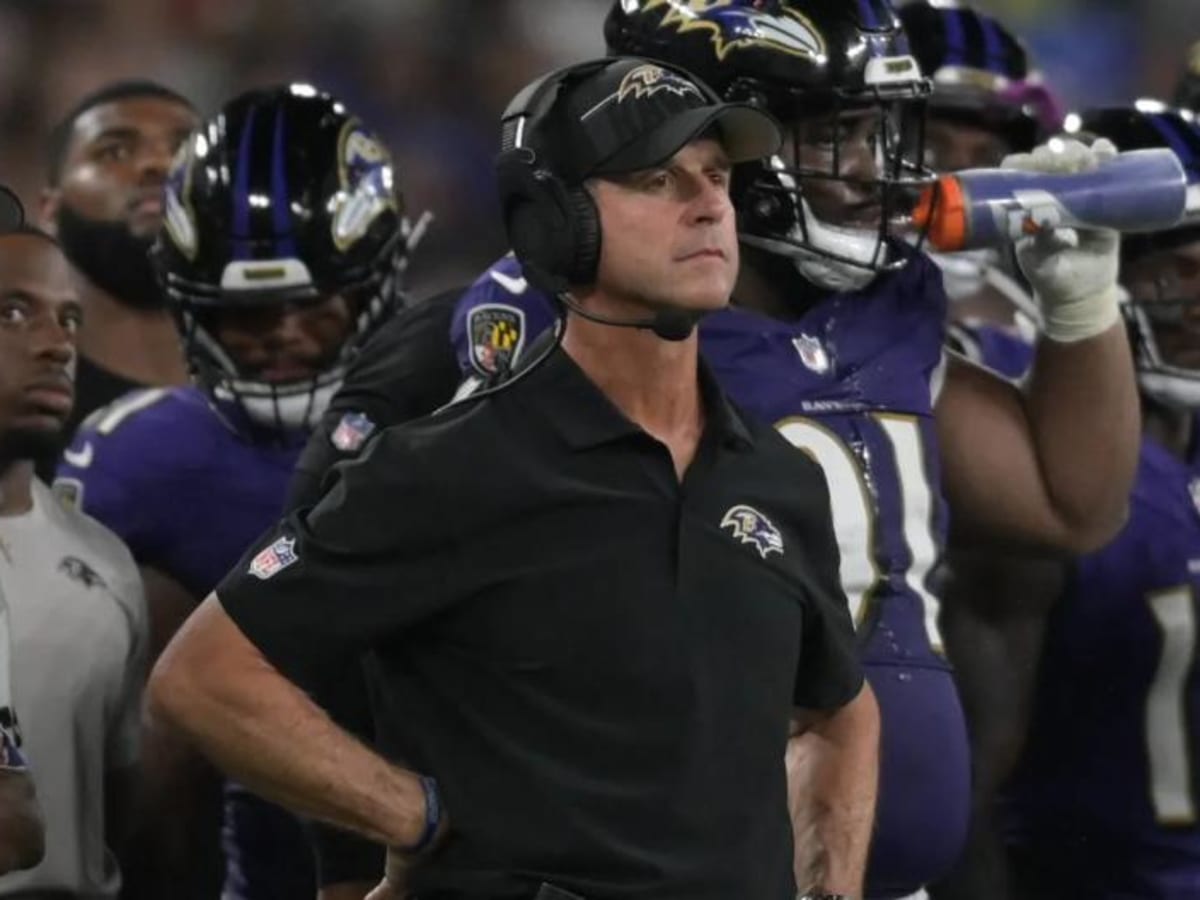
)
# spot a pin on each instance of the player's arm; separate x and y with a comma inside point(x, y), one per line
point(177, 835)
point(993, 620)
point(215, 686)
point(1048, 464)
point(22, 837)
point(832, 765)
point(1052, 462)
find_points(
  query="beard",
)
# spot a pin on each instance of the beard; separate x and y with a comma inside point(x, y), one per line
point(21, 444)
point(112, 258)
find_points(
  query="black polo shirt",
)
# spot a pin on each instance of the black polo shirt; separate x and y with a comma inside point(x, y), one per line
point(597, 662)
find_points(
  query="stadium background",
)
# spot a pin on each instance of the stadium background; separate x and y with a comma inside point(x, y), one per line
point(432, 75)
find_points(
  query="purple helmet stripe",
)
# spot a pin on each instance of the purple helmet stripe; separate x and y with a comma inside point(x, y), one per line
point(281, 215)
point(241, 191)
point(993, 47)
point(956, 38)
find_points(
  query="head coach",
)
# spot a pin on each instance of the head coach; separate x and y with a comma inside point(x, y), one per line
point(594, 597)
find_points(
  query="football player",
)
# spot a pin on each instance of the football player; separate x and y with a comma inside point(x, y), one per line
point(988, 102)
point(283, 247)
point(108, 160)
point(1102, 803)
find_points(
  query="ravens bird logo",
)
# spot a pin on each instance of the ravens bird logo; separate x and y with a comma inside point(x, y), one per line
point(75, 568)
point(743, 28)
point(648, 80)
point(752, 527)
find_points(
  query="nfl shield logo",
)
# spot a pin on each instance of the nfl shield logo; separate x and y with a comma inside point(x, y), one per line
point(274, 558)
point(497, 334)
point(812, 354)
point(352, 431)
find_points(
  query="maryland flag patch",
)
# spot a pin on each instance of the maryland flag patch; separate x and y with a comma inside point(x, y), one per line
point(497, 335)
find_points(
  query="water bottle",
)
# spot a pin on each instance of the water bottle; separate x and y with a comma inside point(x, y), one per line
point(1140, 190)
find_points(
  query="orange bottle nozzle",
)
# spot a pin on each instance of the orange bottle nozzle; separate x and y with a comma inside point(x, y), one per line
point(942, 211)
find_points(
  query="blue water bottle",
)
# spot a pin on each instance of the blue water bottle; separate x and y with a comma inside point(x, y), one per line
point(1141, 190)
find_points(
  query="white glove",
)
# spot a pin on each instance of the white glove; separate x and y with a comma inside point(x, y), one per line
point(1073, 272)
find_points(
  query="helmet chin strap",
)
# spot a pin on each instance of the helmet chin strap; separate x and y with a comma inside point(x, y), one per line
point(825, 270)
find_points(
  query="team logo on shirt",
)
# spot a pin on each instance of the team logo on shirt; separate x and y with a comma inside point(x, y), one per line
point(751, 527)
point(812, 354)
point(77, 570)
point(352, 432)
point(274, 559)
point(497, 335)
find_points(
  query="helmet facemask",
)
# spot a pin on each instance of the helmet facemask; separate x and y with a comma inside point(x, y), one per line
point(1164, 328)
point(287, 407)
point(841, 193)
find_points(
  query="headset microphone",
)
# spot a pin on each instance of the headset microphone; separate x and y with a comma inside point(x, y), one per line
point(668, 324)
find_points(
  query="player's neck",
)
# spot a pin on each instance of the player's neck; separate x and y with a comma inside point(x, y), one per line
point(16, 488)
point(653, 382)
point(769, 283)
point(140, 345)
point(1171, 427)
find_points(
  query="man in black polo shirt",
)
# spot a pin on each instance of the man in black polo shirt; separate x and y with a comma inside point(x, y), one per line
point(595, 598)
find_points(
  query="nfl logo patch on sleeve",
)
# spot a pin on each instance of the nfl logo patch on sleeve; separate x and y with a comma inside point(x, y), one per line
point(274, 559)
point(352, 432)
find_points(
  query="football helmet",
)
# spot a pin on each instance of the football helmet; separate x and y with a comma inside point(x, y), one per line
point(1165, 317)
point(982, 74)
point(283, 198)
point(806, 61)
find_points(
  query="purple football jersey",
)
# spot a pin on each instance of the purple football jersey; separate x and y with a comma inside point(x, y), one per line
point(852, 383)
point(1103, 803)
point(188, 494)
point(1003, 351)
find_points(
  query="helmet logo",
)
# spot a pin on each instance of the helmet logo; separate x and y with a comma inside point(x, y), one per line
point(648, 80)
point(737, 27)
point(367, 186)
point(178, 220)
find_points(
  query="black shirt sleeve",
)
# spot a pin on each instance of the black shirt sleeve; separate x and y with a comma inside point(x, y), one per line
point(406, 370)
point(829, 675)
point(364, 564)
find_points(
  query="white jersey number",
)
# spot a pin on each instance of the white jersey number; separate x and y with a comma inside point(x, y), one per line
point(854, 514)
point(1166, 710)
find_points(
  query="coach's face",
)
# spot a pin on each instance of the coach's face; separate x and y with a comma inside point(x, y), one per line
point(668, 234)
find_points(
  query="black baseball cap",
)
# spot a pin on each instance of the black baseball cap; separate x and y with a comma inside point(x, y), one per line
point(634, 113)
point(12, 214)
